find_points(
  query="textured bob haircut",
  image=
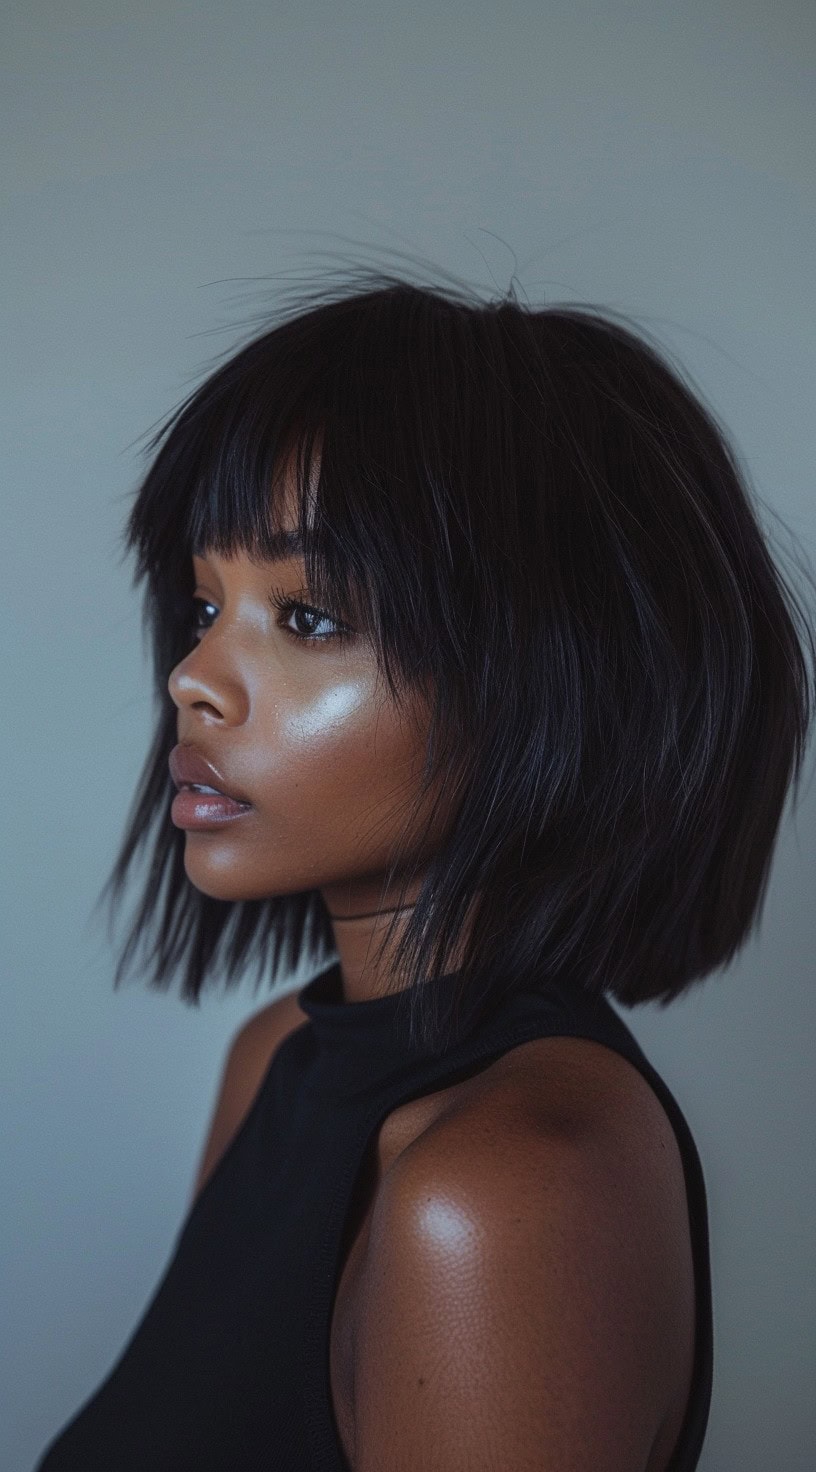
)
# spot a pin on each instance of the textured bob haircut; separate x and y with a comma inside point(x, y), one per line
point(533, 517)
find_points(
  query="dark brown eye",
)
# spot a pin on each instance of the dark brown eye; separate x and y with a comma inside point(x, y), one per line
point(287, 605)
point(198, 604)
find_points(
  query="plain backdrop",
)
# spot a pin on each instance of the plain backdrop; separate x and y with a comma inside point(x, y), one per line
point(168, 169)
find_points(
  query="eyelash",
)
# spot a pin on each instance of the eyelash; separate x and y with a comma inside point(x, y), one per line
point(285, 605)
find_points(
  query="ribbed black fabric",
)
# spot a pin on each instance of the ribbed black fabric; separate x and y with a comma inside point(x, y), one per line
point(228, 1370)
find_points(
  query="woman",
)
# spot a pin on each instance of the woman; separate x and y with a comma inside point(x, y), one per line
point(478, 688)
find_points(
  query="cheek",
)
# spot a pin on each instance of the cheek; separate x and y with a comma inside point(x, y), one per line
point(341, 753)
point(327, 715)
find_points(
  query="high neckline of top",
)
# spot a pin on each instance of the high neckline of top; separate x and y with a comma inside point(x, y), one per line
point(374, 1020)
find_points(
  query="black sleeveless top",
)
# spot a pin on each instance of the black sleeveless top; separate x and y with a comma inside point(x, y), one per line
point(228, 1370)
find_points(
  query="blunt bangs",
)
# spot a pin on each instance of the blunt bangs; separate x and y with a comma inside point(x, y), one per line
point(539, 523)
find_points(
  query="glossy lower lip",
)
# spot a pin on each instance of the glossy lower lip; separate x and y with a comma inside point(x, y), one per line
point(205, 810)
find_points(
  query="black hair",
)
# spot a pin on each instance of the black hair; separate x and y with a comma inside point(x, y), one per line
point(535, 518)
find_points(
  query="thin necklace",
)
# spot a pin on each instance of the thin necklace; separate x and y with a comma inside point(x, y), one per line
point(372, 914)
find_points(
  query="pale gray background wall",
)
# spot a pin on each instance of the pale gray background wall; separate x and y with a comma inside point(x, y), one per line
point(656, 157)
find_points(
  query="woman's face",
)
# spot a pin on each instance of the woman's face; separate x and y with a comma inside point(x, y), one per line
point(302, 727)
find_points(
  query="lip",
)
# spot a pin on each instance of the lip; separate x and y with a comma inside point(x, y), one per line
point(189, 768)
point(205, 809)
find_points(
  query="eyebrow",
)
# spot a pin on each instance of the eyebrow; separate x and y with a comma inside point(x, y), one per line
point(282, 544)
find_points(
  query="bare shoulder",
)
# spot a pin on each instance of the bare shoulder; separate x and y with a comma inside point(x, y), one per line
point(247, 1061)
point(538, 1217)
point(563, 1091)
point(578, 1084)
point(560, 1099)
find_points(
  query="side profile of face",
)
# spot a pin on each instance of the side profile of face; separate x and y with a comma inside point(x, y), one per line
point(303, 726)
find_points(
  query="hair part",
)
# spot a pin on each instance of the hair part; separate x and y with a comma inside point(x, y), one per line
point(539, 523)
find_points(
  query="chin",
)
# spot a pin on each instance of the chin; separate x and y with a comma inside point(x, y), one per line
point(225, 882)
point(220, 882)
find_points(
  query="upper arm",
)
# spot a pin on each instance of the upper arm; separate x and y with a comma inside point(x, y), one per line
point(246, 1063)
point(513, 1313)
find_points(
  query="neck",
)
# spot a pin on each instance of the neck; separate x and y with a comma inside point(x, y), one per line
point(360, 915)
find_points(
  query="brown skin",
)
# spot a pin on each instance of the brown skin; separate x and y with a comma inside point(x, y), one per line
point(516, 1286)
point(303, 727)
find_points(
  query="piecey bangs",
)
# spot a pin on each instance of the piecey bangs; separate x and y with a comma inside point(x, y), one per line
point(539, 524)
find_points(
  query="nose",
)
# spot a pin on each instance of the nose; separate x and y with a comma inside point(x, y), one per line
point(196, 685)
